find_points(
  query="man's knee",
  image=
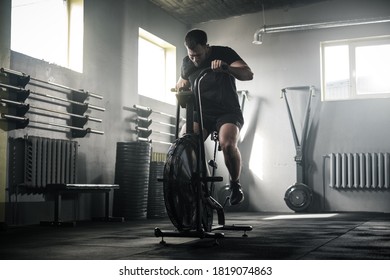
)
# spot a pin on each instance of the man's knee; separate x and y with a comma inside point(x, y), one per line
point(228, 146)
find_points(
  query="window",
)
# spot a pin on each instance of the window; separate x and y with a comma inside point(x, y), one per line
point(355, 69)
point(156, 67)
point(51, 30)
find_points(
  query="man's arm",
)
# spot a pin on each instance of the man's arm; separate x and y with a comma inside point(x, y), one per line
point(238, 69)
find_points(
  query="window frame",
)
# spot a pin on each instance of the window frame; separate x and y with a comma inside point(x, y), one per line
point(352, 45)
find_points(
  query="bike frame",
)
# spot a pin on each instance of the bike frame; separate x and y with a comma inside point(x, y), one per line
point(191, 100)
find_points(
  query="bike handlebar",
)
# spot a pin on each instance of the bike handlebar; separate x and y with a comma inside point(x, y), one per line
point(204, 71)
point(201, 74)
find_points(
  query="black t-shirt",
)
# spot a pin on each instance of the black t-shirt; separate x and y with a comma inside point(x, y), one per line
point(218, 89)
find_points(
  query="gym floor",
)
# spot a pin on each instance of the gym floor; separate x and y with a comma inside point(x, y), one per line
point(275, 236)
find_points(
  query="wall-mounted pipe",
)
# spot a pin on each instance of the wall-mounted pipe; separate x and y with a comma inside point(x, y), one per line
point(257, 38)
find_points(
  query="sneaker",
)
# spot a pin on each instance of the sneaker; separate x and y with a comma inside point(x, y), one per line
point(237, 195)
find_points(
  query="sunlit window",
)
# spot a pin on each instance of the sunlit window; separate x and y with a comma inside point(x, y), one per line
point(51, 30)
point(336, 72)
point(355, 69)
point(156, 67)
point(373, 69)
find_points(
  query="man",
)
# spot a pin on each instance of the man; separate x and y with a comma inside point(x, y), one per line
point(220, 105)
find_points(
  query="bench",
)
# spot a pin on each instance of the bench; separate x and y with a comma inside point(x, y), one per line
point(59, 189)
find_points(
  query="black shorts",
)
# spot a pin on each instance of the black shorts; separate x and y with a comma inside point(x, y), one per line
point(213, 123)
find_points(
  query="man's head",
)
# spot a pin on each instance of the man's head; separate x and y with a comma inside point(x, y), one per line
point(197, 47)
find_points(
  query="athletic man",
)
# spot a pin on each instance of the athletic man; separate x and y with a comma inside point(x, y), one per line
point(220, 104)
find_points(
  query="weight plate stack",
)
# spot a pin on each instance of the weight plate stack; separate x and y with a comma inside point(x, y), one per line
point(132, 170)
point(156, 205)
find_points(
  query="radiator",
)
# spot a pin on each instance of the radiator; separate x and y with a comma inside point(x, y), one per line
point(359, 170)
point(49, 161)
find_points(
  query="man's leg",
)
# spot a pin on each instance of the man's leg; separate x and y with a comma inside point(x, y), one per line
point(196, 130)
point(228, 138)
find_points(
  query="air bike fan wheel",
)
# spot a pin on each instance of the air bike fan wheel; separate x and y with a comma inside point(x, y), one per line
point(181, 186)
point(298, 197)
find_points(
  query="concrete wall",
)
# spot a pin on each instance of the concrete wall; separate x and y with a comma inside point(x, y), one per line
point(5, 54)
point(110, 70)
point(284, 60)
point(293, 59)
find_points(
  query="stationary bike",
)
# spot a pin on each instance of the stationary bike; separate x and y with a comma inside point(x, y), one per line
point(187, 186)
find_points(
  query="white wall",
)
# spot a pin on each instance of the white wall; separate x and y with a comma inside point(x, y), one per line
point(285, 59)
point(293, 59)
point(5, 54)
point(110, 70)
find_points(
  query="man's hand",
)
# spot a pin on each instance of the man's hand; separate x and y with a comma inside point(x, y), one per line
point(182, 83)
point(238, 69)
point(219, 66)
